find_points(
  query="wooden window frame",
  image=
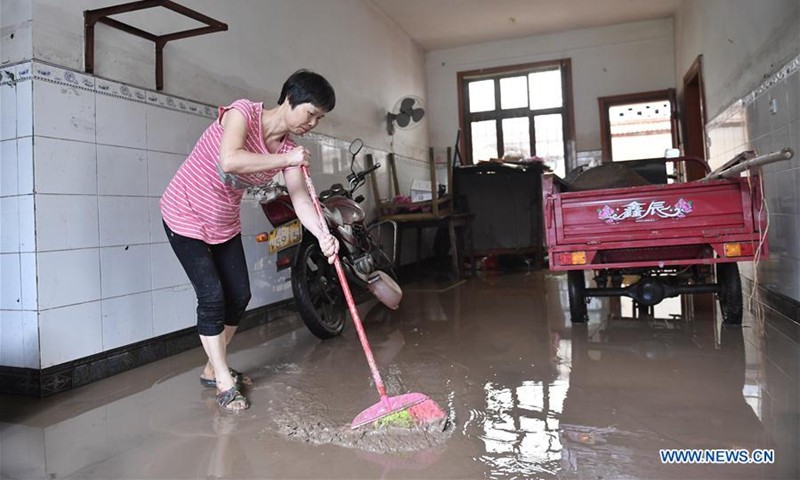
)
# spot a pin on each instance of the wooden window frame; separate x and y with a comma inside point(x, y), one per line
point(498, 114)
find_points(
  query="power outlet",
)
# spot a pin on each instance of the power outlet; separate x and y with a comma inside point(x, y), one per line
point(773, 106)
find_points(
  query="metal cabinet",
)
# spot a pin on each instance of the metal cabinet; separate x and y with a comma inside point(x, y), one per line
point(506, 199)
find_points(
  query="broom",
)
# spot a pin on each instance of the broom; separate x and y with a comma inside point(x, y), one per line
point(409, 410)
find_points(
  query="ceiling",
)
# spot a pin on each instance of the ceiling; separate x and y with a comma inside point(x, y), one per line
point(438, 24)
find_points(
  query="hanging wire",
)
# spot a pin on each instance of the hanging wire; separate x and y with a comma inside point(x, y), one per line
point(754, 301)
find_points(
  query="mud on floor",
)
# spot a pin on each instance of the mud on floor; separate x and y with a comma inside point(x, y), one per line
point(300, 414)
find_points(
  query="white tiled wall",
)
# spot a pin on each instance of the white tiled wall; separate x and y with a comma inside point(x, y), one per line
point(64, 112)
point(89, 268)
point(19, 341)
point(767, 120)
point(65, 167)
point(104, 153)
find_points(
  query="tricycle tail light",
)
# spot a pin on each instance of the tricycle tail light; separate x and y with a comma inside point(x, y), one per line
point(572, 258)
point(737, 249)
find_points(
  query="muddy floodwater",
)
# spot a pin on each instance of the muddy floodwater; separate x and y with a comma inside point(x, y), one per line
point(527, 395)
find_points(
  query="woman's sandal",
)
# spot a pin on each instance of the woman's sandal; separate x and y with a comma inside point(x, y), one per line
point(224, 399)
point(238, 378)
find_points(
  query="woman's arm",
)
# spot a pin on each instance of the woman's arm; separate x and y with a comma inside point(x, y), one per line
point(233, 158)
point(307, 213)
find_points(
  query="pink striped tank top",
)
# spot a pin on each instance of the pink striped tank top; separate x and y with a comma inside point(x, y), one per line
point(201, 201)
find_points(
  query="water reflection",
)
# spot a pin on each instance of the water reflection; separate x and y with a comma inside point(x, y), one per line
point(600, 399)
point(519, 428)
point(640, 385)
point(532, 395)
point(518, 420)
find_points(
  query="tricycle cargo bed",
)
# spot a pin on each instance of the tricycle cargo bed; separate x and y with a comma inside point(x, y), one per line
point(651, 242)
point(653, 225)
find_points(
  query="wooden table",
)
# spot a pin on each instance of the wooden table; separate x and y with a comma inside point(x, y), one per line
point(457, 224)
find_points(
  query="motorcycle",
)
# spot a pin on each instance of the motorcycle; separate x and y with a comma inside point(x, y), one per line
point(317, 292)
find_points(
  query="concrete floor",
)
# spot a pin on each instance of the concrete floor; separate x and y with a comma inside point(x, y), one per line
point(530, 395)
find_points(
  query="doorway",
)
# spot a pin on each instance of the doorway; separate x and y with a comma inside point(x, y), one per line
point(638, 125)
point(694, 117)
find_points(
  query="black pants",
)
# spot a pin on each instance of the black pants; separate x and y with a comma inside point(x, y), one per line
point(219, 276)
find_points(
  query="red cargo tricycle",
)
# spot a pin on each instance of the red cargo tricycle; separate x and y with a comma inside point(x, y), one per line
point(651, 242)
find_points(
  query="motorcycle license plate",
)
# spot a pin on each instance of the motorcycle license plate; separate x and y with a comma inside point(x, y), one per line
point(285, 236)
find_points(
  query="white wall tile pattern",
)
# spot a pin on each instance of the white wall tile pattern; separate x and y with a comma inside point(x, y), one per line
point(9, 230)
point(27, 282)
point(121, 122)
point(24, 108)
point(173, 309)
point(169, 131)
point(9, 178)
point(157, 233)
point(62, 111)
point(127, 319)
point(125, 270)
point(121, 171)
point(27, 230)
point(124, 220)
point(65, 166)
point(66, 222)
point(10, 291)
point(68, 277)
point(25, 165)
point(8, 115)
point(160, 169)
point(19, 340)
point(69, 333)
point(169, 272)
point(771, 121)
point(103, 274)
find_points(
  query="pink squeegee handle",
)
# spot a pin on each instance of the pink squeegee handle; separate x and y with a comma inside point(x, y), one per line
point(351, 304)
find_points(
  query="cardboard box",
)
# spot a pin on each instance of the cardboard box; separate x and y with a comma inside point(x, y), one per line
point(420, 190)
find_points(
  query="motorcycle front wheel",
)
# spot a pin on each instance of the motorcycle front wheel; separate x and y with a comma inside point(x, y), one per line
point(317, 291)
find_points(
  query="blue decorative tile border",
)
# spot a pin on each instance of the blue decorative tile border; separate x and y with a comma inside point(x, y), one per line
point(790, 68)
point(738, 106)
point(38, 70)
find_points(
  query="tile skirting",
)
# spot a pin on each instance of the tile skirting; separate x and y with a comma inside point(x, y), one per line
point(61, 378)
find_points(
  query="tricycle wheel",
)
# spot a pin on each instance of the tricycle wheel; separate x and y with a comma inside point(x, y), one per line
point(576, 283)
point(730, 295)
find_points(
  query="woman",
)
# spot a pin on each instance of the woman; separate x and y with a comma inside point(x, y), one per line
point(246, 146)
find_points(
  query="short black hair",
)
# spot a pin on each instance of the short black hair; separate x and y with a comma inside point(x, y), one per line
point(305, 86)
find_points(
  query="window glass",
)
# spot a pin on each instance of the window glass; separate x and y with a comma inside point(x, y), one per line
point(484, 140)
point(513, 92)
point(550, 141)
point(545, 89)
point(504, 105)
point(516, 137)
point(481, 96)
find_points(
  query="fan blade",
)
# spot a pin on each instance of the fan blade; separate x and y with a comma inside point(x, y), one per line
point(403, 119)
point(417, 114)
point(406, 105)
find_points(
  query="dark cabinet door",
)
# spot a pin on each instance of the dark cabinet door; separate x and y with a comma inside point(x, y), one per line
point(507, 202)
